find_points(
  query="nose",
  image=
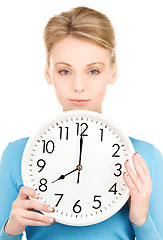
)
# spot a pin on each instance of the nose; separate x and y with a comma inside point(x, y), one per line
point(78, 84)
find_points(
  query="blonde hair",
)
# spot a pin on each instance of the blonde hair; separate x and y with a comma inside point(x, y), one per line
point(80, 22)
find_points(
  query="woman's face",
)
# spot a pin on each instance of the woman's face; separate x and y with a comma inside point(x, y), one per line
point(80, 72)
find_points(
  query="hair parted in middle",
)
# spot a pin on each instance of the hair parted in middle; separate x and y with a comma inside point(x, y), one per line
point(80, 22)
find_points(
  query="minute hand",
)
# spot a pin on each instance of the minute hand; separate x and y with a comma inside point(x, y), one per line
point(81, 147)
point(80, 167)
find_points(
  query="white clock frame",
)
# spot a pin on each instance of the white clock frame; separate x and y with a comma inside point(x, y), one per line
point(78, 195)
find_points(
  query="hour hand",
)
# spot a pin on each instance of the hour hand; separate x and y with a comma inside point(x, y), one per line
point(63, 176)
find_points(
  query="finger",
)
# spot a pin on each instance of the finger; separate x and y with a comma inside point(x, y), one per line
point(30, 222)
point(137, 157)
point(31, 215)
point(129, 183)
point(139, 168)
point(134, 178)
point(33, 204)
point(26, 192)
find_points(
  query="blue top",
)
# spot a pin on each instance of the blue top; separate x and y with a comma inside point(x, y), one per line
point(115, 228)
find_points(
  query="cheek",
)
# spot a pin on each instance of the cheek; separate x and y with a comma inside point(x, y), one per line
point(60, 88)
point(100, 89)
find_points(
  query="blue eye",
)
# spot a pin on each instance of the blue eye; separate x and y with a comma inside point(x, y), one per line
point(65, 72)
point(93, 71)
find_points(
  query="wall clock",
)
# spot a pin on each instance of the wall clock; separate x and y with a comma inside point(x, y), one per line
point(75, 163)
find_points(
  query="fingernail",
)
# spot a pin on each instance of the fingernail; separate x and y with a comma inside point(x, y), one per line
point(52, 220)
point(126, 161)
point(50, 209)
point(36, 196)
point(136, 154)
point(125, 174)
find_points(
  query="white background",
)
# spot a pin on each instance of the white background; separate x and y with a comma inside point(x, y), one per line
point(134, 102)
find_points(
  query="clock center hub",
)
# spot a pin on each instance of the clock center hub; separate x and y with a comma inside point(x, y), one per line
point(79, 167)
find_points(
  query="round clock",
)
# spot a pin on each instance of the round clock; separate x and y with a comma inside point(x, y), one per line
point(75, 163)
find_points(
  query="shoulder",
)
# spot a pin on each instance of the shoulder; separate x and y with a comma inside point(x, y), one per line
point(144, 148)
point(10, 163)
point(15, 149)
point(149, 152)
point(18, 145)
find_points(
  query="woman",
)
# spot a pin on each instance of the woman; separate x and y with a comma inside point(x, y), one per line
point(81, 62)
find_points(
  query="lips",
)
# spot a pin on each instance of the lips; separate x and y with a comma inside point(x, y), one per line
point(79, 102)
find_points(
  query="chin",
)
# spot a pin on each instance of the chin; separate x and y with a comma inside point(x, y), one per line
point(82, 108)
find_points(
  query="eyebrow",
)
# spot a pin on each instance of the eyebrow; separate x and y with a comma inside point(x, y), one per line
point(64, 63)
point(95, 63)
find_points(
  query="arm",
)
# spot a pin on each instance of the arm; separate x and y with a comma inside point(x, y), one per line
point(15, 205)
point(151, 206)
point(8, 193)
point(147, 230)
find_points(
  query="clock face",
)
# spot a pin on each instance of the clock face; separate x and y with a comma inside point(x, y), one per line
point(75, 163)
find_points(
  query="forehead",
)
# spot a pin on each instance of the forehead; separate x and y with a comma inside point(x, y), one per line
point(71, 49)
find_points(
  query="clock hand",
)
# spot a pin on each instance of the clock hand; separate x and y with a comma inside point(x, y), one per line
point(80, 167)
point(63, 176)
point(78, 176)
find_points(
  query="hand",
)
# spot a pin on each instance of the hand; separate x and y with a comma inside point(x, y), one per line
point(22, 213)
point(63, 176)
point(140, 186)
point(81, 147)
